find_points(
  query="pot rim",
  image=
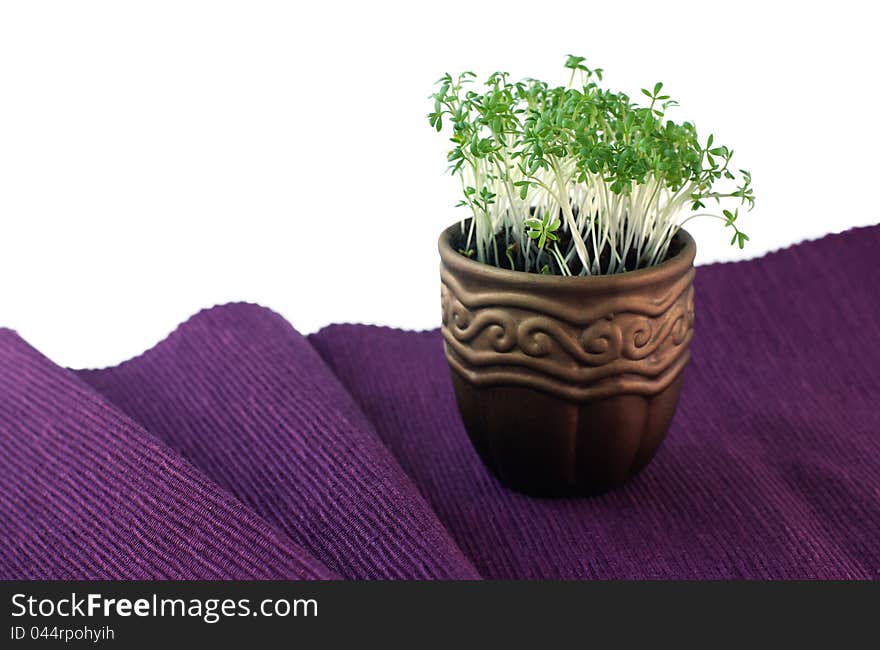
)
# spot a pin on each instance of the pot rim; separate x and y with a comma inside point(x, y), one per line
point(673, 267)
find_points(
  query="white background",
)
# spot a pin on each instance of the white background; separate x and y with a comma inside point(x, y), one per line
point(159, 157)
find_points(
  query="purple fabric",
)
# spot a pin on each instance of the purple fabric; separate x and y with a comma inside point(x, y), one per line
point(86, 493)
point(238, 448)
point(246, 399)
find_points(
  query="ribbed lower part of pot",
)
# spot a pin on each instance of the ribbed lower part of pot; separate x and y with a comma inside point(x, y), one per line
point(545, 445)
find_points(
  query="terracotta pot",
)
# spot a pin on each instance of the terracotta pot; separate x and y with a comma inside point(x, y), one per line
point(566, 385)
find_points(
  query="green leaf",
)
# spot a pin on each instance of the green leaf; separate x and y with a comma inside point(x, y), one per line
point(574, 62)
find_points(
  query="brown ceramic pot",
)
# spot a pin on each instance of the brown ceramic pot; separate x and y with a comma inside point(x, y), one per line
point(566, 385)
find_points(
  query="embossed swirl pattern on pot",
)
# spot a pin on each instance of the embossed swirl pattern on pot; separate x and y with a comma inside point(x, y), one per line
point(640, 346)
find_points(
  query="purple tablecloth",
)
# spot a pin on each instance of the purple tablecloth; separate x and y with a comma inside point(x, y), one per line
point(238, 448)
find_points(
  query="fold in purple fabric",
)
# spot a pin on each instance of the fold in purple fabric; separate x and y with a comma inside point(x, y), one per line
point(239, 393)
point(86, 493)
point(237, 448)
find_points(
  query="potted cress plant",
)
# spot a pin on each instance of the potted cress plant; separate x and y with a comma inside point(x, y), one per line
point(567, 291)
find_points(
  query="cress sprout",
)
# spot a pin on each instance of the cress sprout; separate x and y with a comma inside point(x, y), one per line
point(578, 180)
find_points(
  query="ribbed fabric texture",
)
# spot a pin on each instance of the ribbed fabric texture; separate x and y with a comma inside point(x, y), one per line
point(238, 448)
point(85, 493)
point(771, 468)
point(239, 393)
